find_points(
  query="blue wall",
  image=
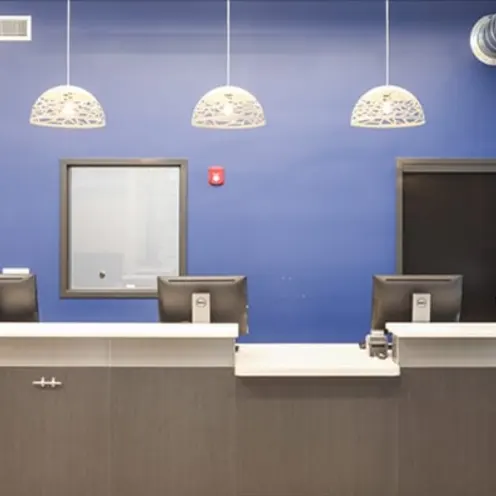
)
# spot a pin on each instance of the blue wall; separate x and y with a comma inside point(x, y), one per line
point(308, 209)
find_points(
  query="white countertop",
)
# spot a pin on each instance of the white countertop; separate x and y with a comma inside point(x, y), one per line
point(94, 330)
point(462, 330)
point(304, 360)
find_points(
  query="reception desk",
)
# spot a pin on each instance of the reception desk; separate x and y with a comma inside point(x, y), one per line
point(444, 345)
point(154, 409)
point(446, 408)
point(310, 360)
point(117, 409)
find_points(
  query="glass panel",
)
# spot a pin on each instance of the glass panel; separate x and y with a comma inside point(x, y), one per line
point(124, 226)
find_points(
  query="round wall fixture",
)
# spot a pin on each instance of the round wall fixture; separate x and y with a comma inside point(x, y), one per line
point(483, 39)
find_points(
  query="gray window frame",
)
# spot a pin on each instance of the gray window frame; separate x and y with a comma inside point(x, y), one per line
point(65, 270)
point(431, 165)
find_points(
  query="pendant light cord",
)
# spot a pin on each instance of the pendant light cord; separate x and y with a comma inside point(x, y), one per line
point(228, 44)
point(68, 47)
point(387, 42)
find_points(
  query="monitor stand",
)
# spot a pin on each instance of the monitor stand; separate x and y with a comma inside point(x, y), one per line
point(200, 308)
point(377, 342)
point(421, 307)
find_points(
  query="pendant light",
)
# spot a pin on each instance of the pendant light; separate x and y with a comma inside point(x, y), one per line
point(67, 106)
point(388, 106)
point(228, 107)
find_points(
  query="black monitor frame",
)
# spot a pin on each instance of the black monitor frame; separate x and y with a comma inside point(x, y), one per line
point(13, 287)
point(392, 298)
point(227, 294)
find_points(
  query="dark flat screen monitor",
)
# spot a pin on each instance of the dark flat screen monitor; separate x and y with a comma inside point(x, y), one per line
point(204, 299)
point(18, 298)
point(400, 298)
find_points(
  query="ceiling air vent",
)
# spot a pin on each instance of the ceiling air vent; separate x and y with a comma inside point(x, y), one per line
point(15, 28)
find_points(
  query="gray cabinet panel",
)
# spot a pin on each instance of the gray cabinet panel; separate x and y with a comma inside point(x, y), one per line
point(54, 442)
point(316, 436)
point(447, 432)
point(173, 432)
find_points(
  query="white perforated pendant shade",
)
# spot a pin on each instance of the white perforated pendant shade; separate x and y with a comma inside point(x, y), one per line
point(386, 107)
point(68, 107)
point(228, 107)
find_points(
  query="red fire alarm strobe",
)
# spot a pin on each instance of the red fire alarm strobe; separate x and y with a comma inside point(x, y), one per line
point(216, 176)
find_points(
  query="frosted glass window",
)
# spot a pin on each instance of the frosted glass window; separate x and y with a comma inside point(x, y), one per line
point(125, 228)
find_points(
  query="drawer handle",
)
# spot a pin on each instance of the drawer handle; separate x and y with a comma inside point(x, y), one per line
point(43, 383)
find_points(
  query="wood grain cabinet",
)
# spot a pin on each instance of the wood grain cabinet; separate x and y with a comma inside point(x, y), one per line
point(123, 431)
point(173, 432)
point(150, 431)
point(54, 441)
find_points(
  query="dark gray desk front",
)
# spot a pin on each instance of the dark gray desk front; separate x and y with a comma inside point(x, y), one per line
point(430, 431)
point(202, 431)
